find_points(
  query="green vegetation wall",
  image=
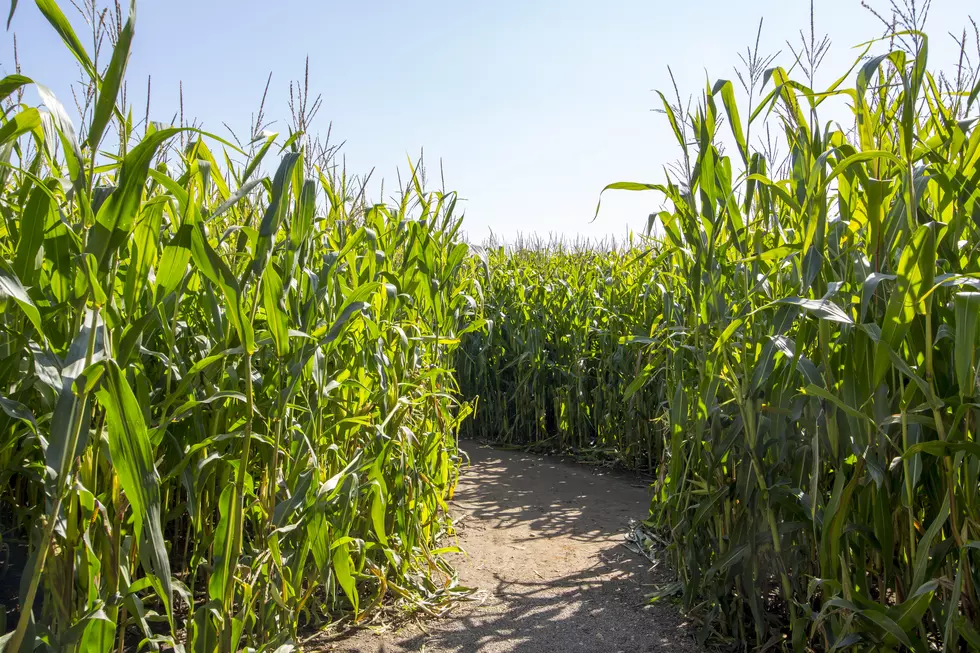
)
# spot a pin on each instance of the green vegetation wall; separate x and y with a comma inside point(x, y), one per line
point(792, 353)
point(229, 403)
point(227, 408)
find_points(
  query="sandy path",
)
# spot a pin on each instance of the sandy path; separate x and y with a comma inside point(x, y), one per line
point(543, 540)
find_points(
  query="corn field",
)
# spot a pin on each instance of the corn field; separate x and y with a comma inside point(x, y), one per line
point(792, 352)
point(551, 370)
point(228, 407)
point(231, 398)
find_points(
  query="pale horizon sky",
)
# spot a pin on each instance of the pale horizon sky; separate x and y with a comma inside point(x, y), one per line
point(532, 107)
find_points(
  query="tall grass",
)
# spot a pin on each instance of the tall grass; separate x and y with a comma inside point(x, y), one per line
point(228, 407)
point(794, 354)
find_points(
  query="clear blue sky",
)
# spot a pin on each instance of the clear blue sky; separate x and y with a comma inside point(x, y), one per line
point(532, 105)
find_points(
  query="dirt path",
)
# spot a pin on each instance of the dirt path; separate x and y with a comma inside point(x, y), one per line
point(544, 544)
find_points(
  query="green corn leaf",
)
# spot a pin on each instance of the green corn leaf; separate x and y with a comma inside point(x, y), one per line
point(18, 410)
point(823, 309)
point(66, 133)
point(144, 252)
point(974, 94)
point(950, 636)
point(52, 12)
point(861, 157)
point(908, 614)
point(12, 83)
point(133, 462)
point(223, 572)
point(345, 578)
point(925, 544)
point(12, 288)
point(967, 631)
point(211, 266)
point(115, 219)
point(32, 223)
point(274, 213)
point(99, 634)
point(727, 91)
point(113, 80)
point(234, 198)
point(942, 448)
point(868, 289)
point(256, 160)
point(889, 626)
point(823, 393)
point(21, 123)
point(885, 624)
point(72, 410)
point(204, 635)
point(303, 220)
point(278, 321)
point(966, 306)
point(627, 185)
point(174, 261)
point(87, 282)
point(916, 270)
point(378, 506)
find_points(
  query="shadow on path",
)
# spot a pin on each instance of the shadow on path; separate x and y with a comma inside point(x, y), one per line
point(550, 498)
point(543, 542)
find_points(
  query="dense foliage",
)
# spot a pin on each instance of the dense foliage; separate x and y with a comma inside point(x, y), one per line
point(229, 399)
point(551, 370)
point(227, 407)
point(793, 352)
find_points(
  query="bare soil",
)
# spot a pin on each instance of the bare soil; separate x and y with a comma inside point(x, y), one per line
point(543, 541)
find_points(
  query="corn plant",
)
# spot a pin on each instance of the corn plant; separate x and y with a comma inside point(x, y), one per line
point(801, 335)
point(822, 470)
point(229, 410)
point(550, 370)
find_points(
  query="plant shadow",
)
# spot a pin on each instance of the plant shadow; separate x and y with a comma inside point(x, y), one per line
point(543, 541)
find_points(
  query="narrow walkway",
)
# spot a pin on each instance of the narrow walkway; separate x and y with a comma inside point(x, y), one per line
point(544, 551)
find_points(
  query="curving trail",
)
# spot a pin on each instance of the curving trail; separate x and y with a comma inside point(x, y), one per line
point(544, 544)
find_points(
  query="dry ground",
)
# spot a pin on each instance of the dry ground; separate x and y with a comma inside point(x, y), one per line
point(543, 542)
